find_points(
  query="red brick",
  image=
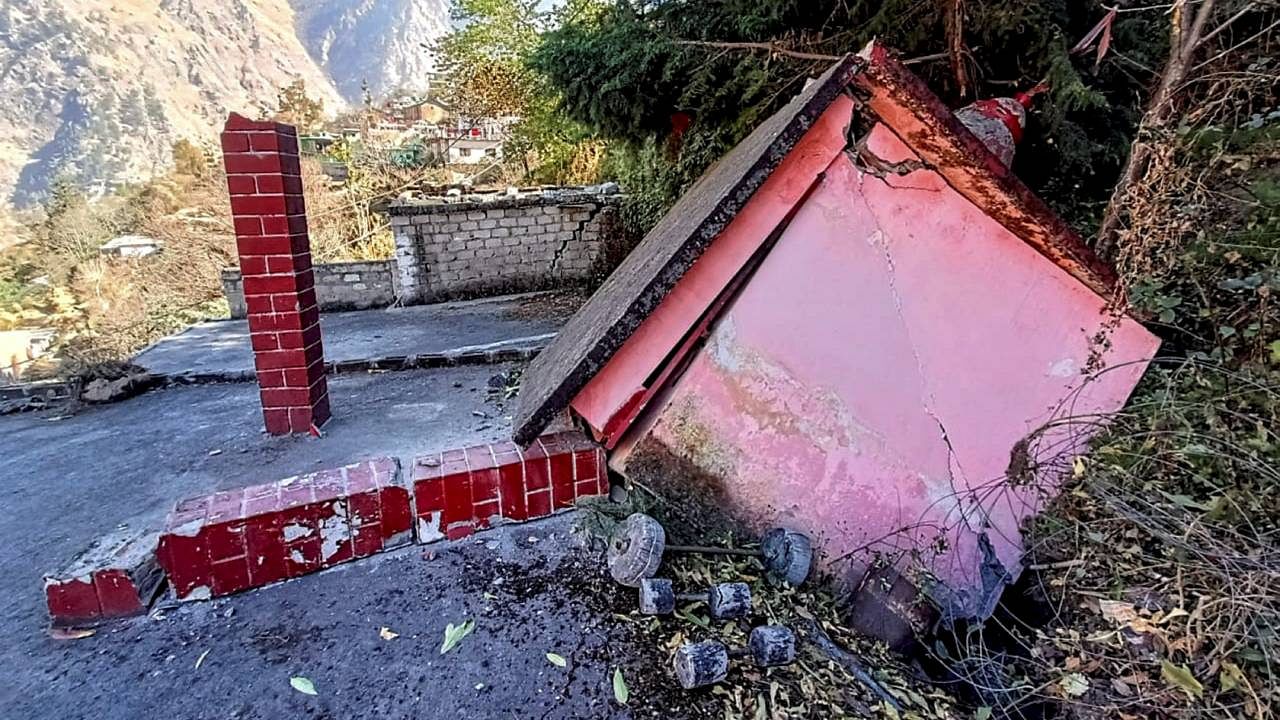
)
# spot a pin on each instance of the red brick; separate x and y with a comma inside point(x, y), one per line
point(224, 541)
point(288, 144)
point(460, 530)
point(241, 184)
point(264, 341)
point(230, 576)
point(276, 421)
point(511, 479)
point(562, 493)
point(253, 265)
point(260, 244)
point(246, 227)
point(119, 594)
point(280, 359)
point(484, 512)
point(249, 205)
point(397, 516)
point(271, 183)
point(284, 397)
point(252, 163)
point(428, 496)
point(235, 143)
point(537, 470)
point(276, 264)
point(366, 540)
point(264, 141)
point(586, 465)
point(365, 508)
point(539, 503)
point(71, 601)
point(273, 284)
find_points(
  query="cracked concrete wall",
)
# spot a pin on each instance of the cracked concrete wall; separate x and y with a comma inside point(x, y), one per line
point(475, 249)
point(882, 372)
point(339, 286)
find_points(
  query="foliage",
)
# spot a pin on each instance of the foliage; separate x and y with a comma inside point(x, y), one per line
point(621, 72)
point(189, 159)
point(295, 107)
point(1158, 566)
point(487, 61)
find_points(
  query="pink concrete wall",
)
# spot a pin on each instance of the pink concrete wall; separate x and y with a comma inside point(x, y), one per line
point(869, 383)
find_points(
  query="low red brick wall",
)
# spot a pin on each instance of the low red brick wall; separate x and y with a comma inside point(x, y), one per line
point(230, 541)
point(115, 577)
point(460, 491)
point(225, 542)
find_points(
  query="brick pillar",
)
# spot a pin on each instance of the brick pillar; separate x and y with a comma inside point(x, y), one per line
point(265, 181)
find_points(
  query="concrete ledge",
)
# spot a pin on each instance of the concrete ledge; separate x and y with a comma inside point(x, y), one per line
point(460, 491)
point(229, 541)
point(519, 350)
point(115, 577)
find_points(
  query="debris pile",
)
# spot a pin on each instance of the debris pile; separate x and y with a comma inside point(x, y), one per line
point(759, 643)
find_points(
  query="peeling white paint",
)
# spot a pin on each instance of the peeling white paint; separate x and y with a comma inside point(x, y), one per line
point(200, 592)
point(334, 531)
point(293, 531)
point(1066, 367)
point(188, 529)
point(296, 556)
point(429, 528)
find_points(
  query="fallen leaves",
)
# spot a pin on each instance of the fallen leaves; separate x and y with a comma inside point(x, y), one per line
point(621, 692)
point(386, 634)
point(453, 634)
point(1180, 677)
point(302, 685)
point(200, 660)
point(556, 660)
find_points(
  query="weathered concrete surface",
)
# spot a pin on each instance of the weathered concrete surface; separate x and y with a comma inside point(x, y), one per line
point(69, 480)
point(881, 381)
point(514, 321)
point(528, 591)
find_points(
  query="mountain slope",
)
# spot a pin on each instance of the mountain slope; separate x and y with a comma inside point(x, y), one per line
point(98, 90)
point(382, 42)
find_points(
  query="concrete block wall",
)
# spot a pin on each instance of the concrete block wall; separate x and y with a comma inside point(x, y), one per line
point(339, 286)
point(447, 250)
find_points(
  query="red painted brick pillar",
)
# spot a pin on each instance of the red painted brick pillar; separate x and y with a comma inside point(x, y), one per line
point(264, 178)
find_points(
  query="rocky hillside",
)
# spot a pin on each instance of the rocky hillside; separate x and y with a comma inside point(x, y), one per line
point(385, 43)
point(98, 90)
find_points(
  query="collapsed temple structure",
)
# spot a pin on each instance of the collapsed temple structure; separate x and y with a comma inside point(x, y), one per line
point(859, 323)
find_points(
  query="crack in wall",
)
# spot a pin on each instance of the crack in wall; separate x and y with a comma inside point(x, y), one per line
point(928, 400)
point(593, 211)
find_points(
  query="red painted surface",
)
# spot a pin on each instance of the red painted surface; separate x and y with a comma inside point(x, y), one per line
point(460, 491)
point(264, 178)
point(610, 400)
point(249, 537)
point(871, 380)
point(115, 577)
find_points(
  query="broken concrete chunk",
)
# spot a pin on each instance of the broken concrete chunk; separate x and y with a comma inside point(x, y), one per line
point(117, 576)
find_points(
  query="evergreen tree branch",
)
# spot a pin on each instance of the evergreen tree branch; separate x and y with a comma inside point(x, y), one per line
point(776, 49)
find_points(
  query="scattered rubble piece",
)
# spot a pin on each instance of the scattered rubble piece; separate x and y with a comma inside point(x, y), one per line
point(102, 390)
point(637, 547)
point(463, 490)
point(724, 601)
point(228, 541)
point(117, 576)
point(700, 664)
point(707, 662)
